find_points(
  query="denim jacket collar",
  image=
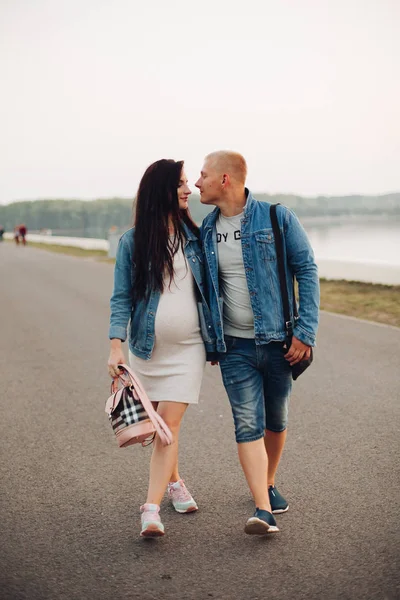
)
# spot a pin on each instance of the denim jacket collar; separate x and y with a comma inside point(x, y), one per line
point(189, 235)
point(211, 219)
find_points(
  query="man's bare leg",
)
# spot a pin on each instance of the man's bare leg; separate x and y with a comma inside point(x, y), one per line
point(274, 443)
point(254, 461)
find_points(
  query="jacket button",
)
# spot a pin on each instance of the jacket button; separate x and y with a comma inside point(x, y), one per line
point(212, 252)
point(193, 259)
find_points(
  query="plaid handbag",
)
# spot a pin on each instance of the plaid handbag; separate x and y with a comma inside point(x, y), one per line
point(131, 413)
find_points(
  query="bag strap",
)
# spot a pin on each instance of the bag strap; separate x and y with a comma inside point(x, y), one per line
point(158, 422)
point(282, 272)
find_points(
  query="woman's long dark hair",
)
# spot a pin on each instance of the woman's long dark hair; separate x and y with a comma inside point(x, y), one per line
point(156, 205)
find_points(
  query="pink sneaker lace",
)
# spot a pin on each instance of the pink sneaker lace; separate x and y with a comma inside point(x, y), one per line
point(180, 493)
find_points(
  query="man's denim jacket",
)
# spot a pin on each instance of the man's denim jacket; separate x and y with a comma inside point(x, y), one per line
point(142, 314)
point(260, 264)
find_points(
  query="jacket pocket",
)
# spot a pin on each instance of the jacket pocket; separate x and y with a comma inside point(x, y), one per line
point(266, 245)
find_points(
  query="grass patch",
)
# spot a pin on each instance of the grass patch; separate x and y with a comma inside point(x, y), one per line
point(72, 250)
point(370, 301)
point(105, 259)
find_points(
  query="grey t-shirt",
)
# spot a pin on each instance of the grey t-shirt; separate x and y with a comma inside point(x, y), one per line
point(238, 314)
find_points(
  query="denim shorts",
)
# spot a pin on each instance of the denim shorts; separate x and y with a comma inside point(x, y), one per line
point(258, 381)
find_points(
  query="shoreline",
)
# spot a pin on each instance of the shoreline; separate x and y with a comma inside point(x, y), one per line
point(376, 302)
point(356, 270)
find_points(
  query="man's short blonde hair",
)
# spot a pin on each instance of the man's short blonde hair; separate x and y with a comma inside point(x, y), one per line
point(231, 163)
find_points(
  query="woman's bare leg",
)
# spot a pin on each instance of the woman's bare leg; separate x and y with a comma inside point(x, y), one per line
point(164, 460)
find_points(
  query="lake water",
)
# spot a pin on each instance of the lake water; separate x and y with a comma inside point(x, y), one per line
point(352, 248)
point(360, 249)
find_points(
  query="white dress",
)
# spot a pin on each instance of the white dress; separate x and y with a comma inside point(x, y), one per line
point(175, 369)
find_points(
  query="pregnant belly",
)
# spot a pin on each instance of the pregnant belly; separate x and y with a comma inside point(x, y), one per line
point(176, 322)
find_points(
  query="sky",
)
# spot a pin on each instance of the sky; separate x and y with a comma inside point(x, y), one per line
point(93, 91)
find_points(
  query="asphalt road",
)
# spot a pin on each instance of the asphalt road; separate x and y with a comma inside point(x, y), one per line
point(69, 506)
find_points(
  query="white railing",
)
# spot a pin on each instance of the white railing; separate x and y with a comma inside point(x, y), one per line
point(85, 243)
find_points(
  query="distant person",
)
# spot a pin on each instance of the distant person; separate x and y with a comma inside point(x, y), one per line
point(22, 233)
point(2, 230)
point(241, 268)
point(16, 234)
point(158, 283)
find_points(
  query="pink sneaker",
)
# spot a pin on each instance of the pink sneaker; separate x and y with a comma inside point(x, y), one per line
point(151, 522)
point(182, 500)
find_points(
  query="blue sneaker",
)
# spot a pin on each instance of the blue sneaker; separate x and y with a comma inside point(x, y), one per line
point(278, 502)
point(261, 523)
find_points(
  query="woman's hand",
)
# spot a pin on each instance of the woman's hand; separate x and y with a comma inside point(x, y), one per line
point(116, 358)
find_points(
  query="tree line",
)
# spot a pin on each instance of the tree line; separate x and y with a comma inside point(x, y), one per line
point(94, 218)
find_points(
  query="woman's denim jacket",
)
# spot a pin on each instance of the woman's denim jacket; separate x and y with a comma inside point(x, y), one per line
point(260, 264)
point(142, 314)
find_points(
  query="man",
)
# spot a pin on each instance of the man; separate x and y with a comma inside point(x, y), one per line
point(245, 301)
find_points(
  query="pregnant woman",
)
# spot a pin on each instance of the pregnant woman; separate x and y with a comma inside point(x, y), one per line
point(158, 292)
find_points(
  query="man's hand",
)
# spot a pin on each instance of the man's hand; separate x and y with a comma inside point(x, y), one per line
point(297, 351)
